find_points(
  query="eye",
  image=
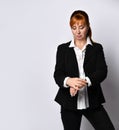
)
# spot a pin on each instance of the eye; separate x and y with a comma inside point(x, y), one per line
point(82, 27)
point(74, 27)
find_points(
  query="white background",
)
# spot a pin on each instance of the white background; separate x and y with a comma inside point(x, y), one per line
point(30, 31)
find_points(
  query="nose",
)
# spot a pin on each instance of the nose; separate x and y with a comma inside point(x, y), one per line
point(78, 30)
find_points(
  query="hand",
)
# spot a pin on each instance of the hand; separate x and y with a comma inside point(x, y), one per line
point(73, 91)
point(76, 83)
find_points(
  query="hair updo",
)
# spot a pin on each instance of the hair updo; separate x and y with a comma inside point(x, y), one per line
point(80, 15)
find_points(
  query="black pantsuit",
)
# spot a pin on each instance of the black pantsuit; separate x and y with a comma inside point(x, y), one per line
point(96, 69)
point(98, 117)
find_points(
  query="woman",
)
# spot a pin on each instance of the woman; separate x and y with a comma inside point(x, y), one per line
point(80, 68)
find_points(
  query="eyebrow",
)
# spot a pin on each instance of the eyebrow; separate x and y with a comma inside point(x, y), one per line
point(79, 25)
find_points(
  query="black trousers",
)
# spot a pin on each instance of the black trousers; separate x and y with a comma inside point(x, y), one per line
point(98, 117)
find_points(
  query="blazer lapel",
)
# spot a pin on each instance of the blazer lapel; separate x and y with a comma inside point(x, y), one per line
point(72, 58)
point(73, 61)
point(88, 53)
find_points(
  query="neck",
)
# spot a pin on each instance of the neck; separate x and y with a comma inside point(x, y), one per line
point(80, 43)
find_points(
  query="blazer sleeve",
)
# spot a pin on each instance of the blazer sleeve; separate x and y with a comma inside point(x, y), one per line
point(59, 73)
point(100, 72)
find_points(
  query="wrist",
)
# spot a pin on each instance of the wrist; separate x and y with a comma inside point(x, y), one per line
point(68, 81)
point(65, 82)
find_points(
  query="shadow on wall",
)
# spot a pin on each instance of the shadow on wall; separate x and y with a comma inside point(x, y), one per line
point(111, 90)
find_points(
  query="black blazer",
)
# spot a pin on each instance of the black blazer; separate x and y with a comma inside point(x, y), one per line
point(66, 66)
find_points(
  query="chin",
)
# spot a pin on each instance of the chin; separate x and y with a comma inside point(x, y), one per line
point(79, 38)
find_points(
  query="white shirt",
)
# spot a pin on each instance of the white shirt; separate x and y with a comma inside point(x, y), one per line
point(82, 100)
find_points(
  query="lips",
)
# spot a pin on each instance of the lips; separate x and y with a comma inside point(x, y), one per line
point(78, 36)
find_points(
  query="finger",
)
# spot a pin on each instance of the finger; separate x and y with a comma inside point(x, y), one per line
point(77, 87)
point(83, 82)
point(80, 81)
point(73, 93)
point(80, 86)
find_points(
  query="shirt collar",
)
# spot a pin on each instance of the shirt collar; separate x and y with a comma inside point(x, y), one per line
point(87, 43)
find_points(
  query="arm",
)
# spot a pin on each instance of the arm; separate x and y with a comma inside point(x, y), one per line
point(59, 73)
point(100, 72)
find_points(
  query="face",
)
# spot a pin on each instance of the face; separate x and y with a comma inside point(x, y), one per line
point(79, 31)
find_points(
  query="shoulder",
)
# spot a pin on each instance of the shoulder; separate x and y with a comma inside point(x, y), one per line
point(64, 45)
point(97, 46)
point(62, 48)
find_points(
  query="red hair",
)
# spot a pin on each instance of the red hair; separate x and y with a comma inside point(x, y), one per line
point(81, 16)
